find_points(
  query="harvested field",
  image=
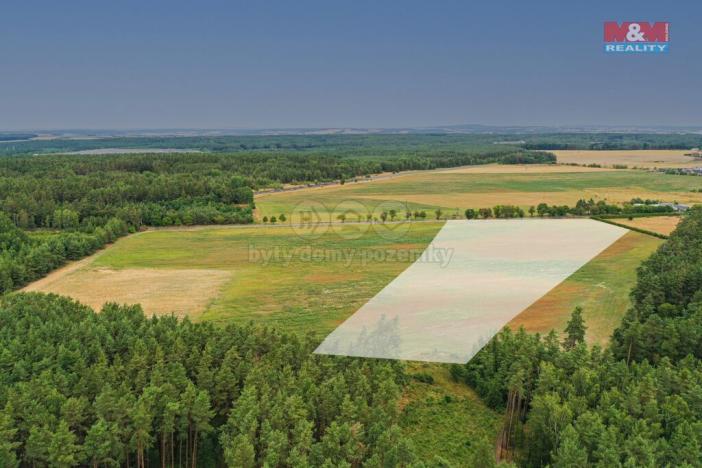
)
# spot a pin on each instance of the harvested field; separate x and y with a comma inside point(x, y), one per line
point(631, 158)
point(520, 169)
point(660, 224)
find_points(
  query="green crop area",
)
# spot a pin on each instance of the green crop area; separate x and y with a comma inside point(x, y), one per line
point(300, 280)
point(454, 191)
point(271, 275)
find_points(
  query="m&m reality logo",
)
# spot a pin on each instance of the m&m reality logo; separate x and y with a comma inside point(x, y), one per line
point(636, 37)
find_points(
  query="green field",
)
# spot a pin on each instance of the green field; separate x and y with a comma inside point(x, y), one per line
point(455, 191)
point(280, 276)
point(294, 290)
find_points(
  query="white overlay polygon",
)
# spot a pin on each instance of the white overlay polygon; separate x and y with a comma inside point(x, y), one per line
point(445, 308)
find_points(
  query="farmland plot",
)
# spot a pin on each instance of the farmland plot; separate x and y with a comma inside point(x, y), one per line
point(475, 277)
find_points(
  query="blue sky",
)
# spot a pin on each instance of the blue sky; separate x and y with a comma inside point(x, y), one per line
point(263, 64)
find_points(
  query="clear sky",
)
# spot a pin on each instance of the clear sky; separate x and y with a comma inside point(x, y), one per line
point(263, 64)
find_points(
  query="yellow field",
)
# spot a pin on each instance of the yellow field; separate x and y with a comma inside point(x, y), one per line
point(660, 224)
point(631, 158)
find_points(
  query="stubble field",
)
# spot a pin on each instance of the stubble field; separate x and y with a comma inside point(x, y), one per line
point(660, 224)
point(631, 158)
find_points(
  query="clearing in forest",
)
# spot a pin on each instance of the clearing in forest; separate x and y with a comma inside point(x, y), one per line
point(293, 279)
point(445, 418)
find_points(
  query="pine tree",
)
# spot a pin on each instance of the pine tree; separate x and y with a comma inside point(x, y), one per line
point(201, 415)
point(570, 453)
point(102, 446)
point(239, 452)
point(63, 450)
point(575, 329)
point(37, 446)
point(8, 457)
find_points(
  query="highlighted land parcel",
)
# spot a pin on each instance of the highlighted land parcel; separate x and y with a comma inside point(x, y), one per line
point(446, 313)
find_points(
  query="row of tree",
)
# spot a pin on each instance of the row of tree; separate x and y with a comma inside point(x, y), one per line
point(611, 141)
point(636, 403)
point(582, 208)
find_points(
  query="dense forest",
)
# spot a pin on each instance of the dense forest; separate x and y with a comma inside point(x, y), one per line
point(386, 146)
point(68, 192)
point(80, 388)
point(637, 403)
point(27, 257)
point(612, 141)
point(375, 146)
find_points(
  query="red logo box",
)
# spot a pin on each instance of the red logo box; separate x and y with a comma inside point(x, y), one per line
point(636, 31)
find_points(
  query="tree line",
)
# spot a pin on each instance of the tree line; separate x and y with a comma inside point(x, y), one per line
point(611, 141)
point(637, 402)
point(376, 145)
point(581, 208)
point(28, 257)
